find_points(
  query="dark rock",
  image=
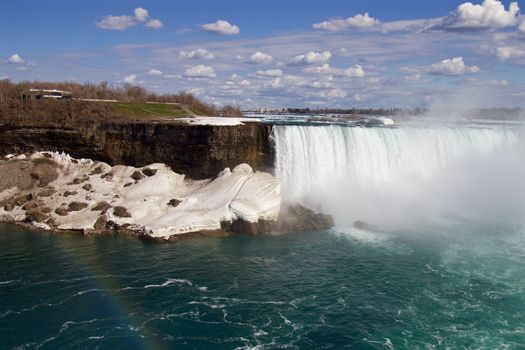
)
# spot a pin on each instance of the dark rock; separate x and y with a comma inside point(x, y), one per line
point(30, 205)
point(35, 215)
point(8, 206)
point(62, 211)
point(46, 210)
point(52, 223)
point(107, 176)
point(174, 202)
point(47, 192)
point(149, 171)
point(121, 212)
point(69, 193)
point(299, 218)
point(102, 206)
point(79, 180)
point(87, 187)
point(137, 175)
point(76, 206)
point(128, 184)
point(96, 171)
point(101, 223)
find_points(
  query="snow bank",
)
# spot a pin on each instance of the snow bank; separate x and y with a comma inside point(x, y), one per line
point(228, 121)
point(158, 202)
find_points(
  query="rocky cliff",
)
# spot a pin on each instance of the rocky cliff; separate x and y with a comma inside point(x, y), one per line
point(199, 151)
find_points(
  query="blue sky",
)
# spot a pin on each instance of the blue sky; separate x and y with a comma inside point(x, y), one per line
point(331, 53)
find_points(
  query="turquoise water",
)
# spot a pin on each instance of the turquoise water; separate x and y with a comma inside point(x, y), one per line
point(459, 286)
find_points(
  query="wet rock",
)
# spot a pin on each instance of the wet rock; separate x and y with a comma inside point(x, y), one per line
point(128, 184)
point(76, 206)
point(87, 187)
point(299, 218)
point(101, 223)
point(137, 175)
point(121, 212)
point(69, 193)
point(174, 202)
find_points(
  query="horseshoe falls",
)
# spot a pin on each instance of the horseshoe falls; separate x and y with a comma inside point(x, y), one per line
point(394, 177)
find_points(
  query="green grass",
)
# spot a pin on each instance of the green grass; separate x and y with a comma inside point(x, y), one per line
point(150, 110)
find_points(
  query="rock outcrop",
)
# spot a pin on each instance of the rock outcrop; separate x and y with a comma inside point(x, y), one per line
point(199, 151)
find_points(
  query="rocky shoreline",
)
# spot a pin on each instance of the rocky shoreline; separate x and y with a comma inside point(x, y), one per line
point(53, 191)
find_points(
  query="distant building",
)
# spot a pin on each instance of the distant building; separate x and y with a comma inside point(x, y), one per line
point(48, 94)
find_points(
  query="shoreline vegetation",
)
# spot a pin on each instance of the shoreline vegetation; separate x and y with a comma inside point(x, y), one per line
point(93, 103)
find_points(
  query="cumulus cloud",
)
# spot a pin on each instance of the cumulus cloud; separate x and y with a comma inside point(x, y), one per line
point(311, 58)
point(490, 14)
point(356, 71)
point(200, 71)
point(15, 59)
point(221, 27)
point(123, 22)
point(260, 58)
point(270, 73)
point(154, 72)
point(197, 54)
point(154, 24)
point(131, 79)
point(453, 66)
point(359, 21)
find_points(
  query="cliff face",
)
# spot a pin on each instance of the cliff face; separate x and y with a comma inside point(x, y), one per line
point(199, 151)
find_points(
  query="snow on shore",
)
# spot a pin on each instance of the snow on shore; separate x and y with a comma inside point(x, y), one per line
point(224, 121)
point(154, 200)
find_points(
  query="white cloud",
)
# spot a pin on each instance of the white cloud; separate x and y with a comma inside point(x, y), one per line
point(130, 79)
point(356, 71)
point(154, 72)
point(141, 15)
point(16, 59)
point(154, 24)
point(311, 58)
point(453, 66)
point(509, 52)
point(333, 94)
point(271, 73)
point(200, 71)
point(260, 58)
point(521, 27)
point(197, 54)
point(359, 21)
point(221, 27)
point(490, 14)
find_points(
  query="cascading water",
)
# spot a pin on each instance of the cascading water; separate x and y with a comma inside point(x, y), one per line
point(389, 175)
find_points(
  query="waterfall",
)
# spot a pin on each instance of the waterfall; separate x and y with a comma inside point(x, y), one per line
point(365, 173)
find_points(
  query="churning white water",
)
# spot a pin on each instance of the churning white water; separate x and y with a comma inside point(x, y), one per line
point(397, 175)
